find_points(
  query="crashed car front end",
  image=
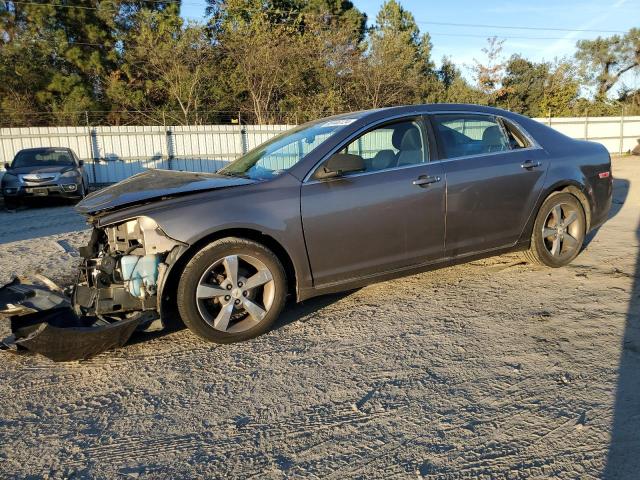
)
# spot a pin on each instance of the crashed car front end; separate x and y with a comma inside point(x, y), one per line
point(124, 267)
point(122, 272)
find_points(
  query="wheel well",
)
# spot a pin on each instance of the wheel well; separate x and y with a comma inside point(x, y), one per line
point(582, 198)
point(566, 188)
point(272, 244)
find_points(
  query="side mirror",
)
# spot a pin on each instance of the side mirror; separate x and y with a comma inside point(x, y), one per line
point(7, 166)
point(340, 164)
point(80, 163)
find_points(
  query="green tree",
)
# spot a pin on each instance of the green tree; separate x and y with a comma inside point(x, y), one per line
point(561, 90)
point(629, 99)
point(451, 87)
point(605, 60)
point(490, 74)
point(72, 47)
point(286, 61)
point(524, 86)
point(166, 71)
point(338, 14)
point(395, 63)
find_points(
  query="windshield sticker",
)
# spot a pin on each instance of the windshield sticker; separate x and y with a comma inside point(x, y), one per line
point(339, 123)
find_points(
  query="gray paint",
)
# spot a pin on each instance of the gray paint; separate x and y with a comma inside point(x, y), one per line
point(345, 232)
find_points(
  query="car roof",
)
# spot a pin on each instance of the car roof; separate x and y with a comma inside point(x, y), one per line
point(44, 149)
point(365, 116)
point(435, 108)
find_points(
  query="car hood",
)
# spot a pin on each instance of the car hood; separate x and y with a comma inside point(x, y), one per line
point(153, 185)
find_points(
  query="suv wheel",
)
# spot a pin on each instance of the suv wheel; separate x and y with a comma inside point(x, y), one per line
point(11, 203)
point(231, 290)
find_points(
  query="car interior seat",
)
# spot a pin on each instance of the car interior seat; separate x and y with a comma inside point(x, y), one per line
point(409, 143)
point(383, 159)
point(493, 140)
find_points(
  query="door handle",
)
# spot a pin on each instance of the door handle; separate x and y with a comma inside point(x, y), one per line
point(530, 164)
point(426, 180)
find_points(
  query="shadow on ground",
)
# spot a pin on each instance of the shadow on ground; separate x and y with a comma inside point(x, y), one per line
point(620, 193)
point(292, 312)
point(623, 459)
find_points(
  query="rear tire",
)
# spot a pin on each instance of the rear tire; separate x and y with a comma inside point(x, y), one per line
point(232, 290)
point(558, 232)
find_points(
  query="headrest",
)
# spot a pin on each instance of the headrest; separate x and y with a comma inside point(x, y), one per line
point(406, 137)
point(493, 136)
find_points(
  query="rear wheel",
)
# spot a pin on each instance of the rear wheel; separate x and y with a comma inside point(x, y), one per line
point(231, 290)
point(558, 232)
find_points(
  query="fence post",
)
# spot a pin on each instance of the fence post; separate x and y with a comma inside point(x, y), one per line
point(91, 152)
point(170, 146)
point(243, 136)
point(586, 125)
point(549, 117)
point(622, 131)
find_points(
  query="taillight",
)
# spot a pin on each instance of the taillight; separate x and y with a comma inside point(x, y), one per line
point(604, 174)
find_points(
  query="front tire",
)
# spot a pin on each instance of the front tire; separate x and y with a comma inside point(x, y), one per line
point(558, 232)
point(11, 203)
point(231, 290)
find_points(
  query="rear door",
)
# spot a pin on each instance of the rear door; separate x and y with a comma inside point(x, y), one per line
point(494, 176)
point(389, 216)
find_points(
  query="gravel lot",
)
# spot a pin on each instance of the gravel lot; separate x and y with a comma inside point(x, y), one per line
point(494, 369)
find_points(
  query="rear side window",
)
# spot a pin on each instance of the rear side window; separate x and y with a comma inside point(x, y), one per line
point(468, 134)
point(516, 138)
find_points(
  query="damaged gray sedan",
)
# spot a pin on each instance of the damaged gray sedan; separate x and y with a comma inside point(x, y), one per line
point(330, 206)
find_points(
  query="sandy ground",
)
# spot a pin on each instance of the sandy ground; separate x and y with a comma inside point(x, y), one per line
point(494, 369)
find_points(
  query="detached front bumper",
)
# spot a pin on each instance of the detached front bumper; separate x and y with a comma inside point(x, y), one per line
point(44, 321)
point(119, 283)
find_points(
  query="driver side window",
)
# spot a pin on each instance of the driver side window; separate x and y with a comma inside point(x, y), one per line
point(390, 146)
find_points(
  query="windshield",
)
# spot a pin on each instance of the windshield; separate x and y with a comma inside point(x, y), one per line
point(285, 150)
point(41, 158)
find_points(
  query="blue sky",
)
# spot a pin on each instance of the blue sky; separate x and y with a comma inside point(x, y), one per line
point(464, 43)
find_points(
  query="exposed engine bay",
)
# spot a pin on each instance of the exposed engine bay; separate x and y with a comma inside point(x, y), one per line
point(124, 266)
point(123, 269)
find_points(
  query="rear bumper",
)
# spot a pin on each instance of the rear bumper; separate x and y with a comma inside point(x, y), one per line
point(601, 200)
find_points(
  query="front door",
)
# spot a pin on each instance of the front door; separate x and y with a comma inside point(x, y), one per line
point(389, 216)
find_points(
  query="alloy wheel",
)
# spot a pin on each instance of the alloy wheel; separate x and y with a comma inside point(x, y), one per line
point(561, 231)
point(235, 293)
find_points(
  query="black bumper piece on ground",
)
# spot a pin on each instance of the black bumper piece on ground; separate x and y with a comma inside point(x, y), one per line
point(43, 321)
point(62, 336)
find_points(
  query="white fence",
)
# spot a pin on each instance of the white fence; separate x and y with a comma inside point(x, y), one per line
point(114, 153)
point(618, 134)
